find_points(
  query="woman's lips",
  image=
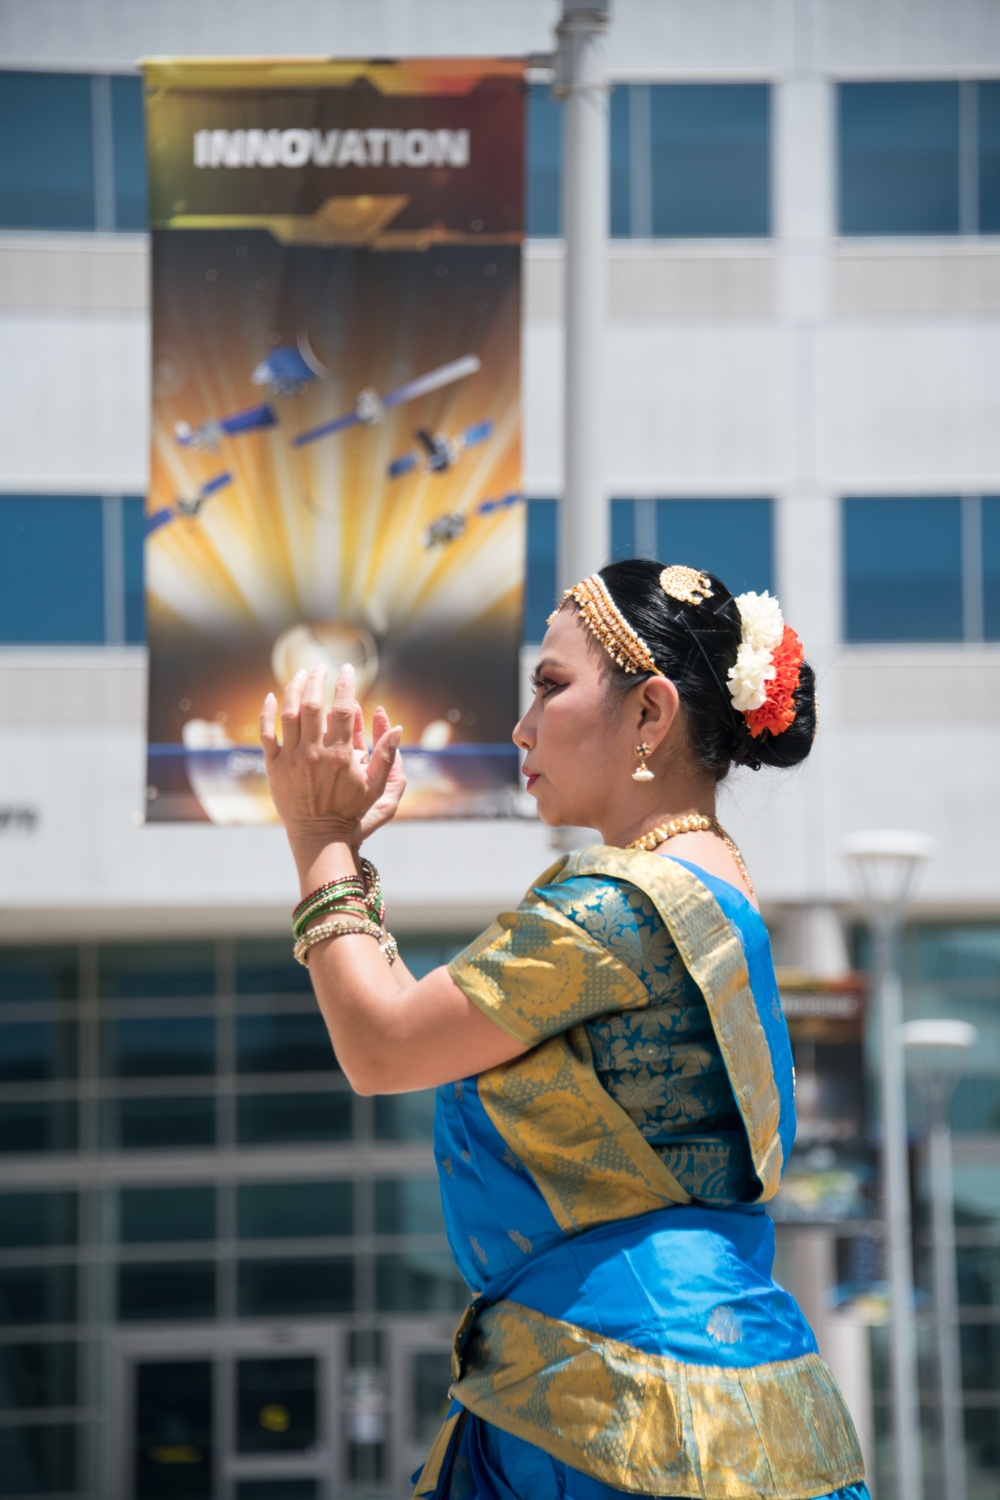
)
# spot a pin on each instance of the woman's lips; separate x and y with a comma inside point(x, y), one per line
point(532, 778)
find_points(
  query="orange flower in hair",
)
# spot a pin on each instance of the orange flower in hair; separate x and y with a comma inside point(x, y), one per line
point(777, 711)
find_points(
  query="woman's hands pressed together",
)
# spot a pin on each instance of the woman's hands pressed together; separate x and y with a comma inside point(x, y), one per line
point(326, 788)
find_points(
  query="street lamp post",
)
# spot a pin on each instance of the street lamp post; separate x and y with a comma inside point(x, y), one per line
point(581, 83)
point(885, 867)
point(941, 1048)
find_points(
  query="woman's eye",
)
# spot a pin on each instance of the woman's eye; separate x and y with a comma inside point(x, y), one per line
point(544, 685)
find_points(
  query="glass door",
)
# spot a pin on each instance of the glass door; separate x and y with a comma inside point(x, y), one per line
point(420, 1374)
point(174, 1450)
point(242, 1422)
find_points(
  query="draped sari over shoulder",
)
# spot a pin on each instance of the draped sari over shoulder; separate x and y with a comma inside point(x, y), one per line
point(603, 1195)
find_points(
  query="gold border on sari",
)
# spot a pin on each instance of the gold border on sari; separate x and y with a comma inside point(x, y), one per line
point(650, 1425)
point(586, 1156)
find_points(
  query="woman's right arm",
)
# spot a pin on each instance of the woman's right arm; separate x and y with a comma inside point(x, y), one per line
point(389, 1038)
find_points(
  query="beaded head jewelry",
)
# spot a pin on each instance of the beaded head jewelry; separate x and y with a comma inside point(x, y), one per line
point(609, 626)
point(686, 585)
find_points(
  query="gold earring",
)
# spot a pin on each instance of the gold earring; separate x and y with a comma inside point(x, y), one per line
point(642, 771)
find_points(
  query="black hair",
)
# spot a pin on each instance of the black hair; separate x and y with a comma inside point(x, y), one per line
point(695, 645)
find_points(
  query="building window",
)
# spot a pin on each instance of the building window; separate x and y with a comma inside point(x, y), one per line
point(46, 151)
point(730, 538)
point(543, 167)
point(919, 158)
point(925, 568)
point(71, 570)
point(990, 517)
point(71, 151)
point(540, 568)
point(686, 160)
point(709, 155)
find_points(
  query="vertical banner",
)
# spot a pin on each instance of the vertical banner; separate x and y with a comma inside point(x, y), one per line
point(336, 450)
point(831, 1172)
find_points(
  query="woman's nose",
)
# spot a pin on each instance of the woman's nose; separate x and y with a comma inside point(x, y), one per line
point(518, 734)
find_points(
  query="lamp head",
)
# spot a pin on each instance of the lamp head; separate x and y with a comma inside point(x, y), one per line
point(885, 864)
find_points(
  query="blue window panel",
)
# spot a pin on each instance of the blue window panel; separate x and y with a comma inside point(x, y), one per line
point(711, 159)
point(163, 1047)
point(543, 179)
point(36, 1375)
point(622, 530)
point(39, 974)
point(266, 967)
point(621, 142)
point(32, 1125)
point(46, 151)
point(134, 526)
point(148, 1215)
point(156, 1124)
point(176, 1289)
point(405, 1117)
point(155, 971)
point(284, 1042)
point(288, 1119)
point(898, 158)
point(540, 568)
point(730, 538)
point(38, 1294)
point(38, 1051)
point(129, 146)
point(988, 164)
point(37, 1218)
point(408, 1205)
point(991, 567)
point(51, 569)
point(419, 1281)
point(902, 569)
point(294, 1210)
point(284, 1288)
point(39, 1458)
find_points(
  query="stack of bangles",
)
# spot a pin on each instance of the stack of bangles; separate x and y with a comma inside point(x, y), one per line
point(352, 904)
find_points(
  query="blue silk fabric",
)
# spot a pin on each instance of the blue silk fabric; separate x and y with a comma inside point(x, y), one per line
point(603, 1195)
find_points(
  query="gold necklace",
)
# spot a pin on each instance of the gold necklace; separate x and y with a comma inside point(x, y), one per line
point(692, 823)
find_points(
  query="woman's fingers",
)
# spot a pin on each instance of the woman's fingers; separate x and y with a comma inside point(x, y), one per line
point(360, 743)
point(311, 708)
point(340, 726)
point(381, 763)
point(290, 704)
point(268, 727)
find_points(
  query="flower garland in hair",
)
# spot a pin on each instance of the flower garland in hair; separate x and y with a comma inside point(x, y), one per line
point(763, 681)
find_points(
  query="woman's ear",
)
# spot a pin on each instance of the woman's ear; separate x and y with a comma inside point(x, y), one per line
point(658, 703)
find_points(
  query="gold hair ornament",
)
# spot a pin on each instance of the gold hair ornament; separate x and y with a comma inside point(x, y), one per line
point(609, 626)
point(686, 585)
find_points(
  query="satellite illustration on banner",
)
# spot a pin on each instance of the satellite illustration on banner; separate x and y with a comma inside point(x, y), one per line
point(336, 417)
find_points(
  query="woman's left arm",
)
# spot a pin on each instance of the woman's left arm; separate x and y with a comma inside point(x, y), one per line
point(388, 1038)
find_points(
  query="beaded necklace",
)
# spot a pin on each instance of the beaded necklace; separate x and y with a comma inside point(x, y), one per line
point(692, 823)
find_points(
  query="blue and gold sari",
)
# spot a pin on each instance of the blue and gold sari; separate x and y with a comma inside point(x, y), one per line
point(604, 1197)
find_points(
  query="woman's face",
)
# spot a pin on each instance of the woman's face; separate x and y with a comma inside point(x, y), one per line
point(578, 746)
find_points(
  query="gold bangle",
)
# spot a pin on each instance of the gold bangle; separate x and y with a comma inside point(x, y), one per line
point(340, 927)
point(389, 949)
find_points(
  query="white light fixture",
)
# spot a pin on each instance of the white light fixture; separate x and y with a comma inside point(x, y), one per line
point(941, 1047)
point(885, 864)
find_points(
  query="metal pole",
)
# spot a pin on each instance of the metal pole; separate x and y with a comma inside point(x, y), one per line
point(584, 531)
point(896, 1189)
point(946, 1300)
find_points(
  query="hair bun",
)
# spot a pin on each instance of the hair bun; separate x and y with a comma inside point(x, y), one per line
point(695, 635)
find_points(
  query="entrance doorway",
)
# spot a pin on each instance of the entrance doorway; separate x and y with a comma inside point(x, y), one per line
point(259, 1414)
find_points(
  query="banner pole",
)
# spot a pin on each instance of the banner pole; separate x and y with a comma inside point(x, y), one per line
point(581, 84)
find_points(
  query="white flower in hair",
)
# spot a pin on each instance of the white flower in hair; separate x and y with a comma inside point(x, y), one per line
point(761, 621)
point(749, 677)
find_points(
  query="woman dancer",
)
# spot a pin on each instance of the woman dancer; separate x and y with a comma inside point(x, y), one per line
point(615, 1088)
